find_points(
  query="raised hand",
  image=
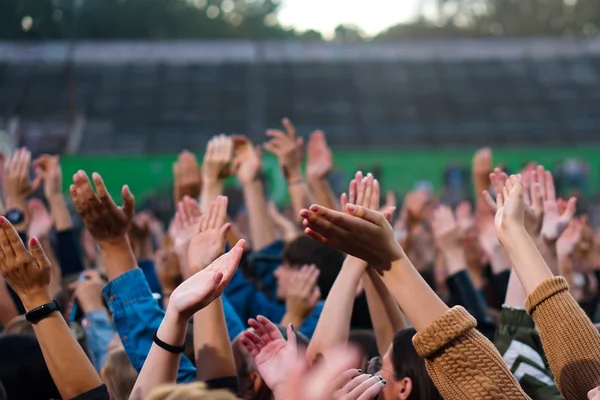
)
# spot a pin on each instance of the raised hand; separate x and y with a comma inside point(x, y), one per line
point(319, 158)
point(554, 223)
point(445, 229)
point(363, 233)
point(288, 148)
point(532, 196)
point(275, 357)
point(358, 386)
point(88, 291)
point(184, 225)
point(47, 167)
point(510, 213)
point(40, 220)
point(204, 286)
point(186, 176)
point(248, 159)
point(17, 185)
point(105, 221)
point(209, 241)
point(464, 217)
point(570, 238)
point(303, 294)
point(28, 273)
point(217, 163)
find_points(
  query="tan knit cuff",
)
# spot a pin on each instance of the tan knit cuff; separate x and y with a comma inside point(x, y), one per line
point(449, 326)
point(544, 291)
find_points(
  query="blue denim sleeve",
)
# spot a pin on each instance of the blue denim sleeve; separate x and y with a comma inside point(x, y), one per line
point(249, 302)
point(137, 316)
point(99, 332)
point(147, 267)
point(265, 262)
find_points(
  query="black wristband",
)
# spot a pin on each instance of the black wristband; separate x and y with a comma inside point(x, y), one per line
point(168, 347)
point(39, 313)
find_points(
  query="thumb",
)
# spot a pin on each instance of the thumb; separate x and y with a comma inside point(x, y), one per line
point(569, 210)
point(389, 213)
point(224, 229)
point(364, 213)
point(128, 202)
point(38, 253)
point(36, 182)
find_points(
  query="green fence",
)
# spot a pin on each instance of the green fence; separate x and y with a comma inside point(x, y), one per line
point(148, 175)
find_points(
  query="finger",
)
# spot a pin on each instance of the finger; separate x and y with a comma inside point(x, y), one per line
point(221, 214)
point(372, 216)
point(389, 213)
point(315, 236)
point(261, 331)
point(289, 128)
point(254, 338)
point(203, 224)
point(128, 202)
point(346, 377)
point(291, 338)
point(375, 195)
point(249, 346)
point(321, 225)
point(373, 391)
point(550, 191)
point(224, 229)
point(271, 148)
point(7, 249)
point(363, 386)
point(270, 327)
point(103, 194)
point(182, 215)
point(354, 383)
point(37, 182)
point(343, 200)
point(368, 191)
point(569, 210)
point(353, 188)
point(360, 191)
point(537, 199)
point(38, 253)
point(541, 177)
point(277, 136)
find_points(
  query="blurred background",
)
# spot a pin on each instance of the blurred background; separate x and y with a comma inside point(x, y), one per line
point(405, 88)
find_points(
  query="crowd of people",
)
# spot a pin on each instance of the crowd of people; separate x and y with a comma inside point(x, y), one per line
point(341, 298)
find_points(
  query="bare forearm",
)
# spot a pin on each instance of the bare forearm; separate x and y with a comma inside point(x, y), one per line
point(333, 328)
point(526, 260)
point(56, 279)
point(210, 190)
point(515, 294)
point(71, 370)
point(385, 313)
point(565, 269)
point(455, 260)
point(262, 230)
point(547, 249)
point(8, 310)
point(300, 194)
point(118, 257)
point(499, 260)
point(161, 366)
point(211, 343)
point(60, 212)
point(414, 296)
point(323, 193)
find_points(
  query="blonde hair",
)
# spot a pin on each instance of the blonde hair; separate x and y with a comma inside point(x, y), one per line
point(118, 374)
point(191, 391)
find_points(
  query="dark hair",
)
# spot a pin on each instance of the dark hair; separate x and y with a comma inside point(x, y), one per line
point(366, 342)
point(21, 363)
point(408, 364)
point(305, 251)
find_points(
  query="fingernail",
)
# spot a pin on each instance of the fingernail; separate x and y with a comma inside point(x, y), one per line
point(351, 207)
point(293, 329)
point(370, 376)
point(380, 377)
point(2, 221)
point(359, 370)
point(383, 383)
point(34, 241)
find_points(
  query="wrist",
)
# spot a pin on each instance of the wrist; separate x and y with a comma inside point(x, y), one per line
point(293, 174)
point(91, 305)
point(116, 243)
point(252, 184)
point(291, 317)
point(174, 319)
point(35, 298)
point(211, 181)
point(16, 202)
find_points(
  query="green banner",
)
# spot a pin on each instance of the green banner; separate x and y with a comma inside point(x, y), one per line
point(152, 174)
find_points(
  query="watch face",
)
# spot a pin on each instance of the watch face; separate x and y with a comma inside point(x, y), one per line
point(15, 216)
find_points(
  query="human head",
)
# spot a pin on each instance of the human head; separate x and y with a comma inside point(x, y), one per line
point(405, 372)
point(19, 326)
point(118, 374)
point(21, 363)
point(252, 386)
point(364, 340)
point(190, 391)
point(306, 251)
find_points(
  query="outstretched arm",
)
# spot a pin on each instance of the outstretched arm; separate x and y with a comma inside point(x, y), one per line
point(29, 275)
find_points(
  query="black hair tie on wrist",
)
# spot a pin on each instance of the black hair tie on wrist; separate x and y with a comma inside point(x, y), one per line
point(168, 347)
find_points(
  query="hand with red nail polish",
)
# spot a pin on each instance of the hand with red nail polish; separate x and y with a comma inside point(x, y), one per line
point(27, 273)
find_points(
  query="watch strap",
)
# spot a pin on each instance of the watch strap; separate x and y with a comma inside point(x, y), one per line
point(168, 347)
point(39, 313)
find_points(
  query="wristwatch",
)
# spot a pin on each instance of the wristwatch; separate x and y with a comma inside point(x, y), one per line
point(39, 313)
point(15, 216)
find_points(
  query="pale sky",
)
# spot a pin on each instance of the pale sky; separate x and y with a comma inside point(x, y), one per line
point(372, 16)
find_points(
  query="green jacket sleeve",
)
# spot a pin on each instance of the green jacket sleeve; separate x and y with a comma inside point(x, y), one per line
point(519, 343)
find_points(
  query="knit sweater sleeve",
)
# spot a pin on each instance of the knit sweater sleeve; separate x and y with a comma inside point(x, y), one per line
point(462, 363)
point(570, 340)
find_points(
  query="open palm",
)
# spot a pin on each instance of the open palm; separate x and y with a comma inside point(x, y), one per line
point(275, 357)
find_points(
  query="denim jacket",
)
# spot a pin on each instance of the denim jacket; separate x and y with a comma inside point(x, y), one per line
point(99, 332)
point(137, 316)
